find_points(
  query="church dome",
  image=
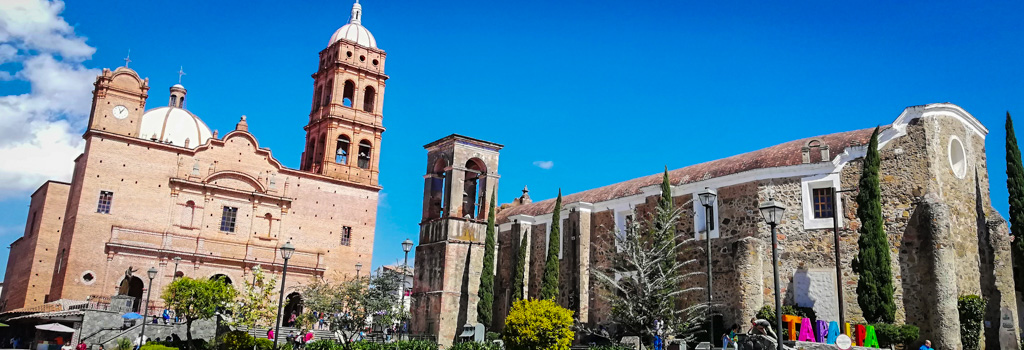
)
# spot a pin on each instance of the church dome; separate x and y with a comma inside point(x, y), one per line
point(174, 125)
point(354, 30)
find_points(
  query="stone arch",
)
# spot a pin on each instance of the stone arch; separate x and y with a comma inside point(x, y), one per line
point(365, 154)
point(237, 177)
point(815, 146)
point(369, 97)
point(135, 287)
point(473, 184)
point(348, 93)
point(437, 190)
point(292, 307)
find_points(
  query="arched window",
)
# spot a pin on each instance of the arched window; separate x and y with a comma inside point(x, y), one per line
point(349, 93)
point(341, 154)
point(188, 214)
point(316, 96)
point(174, 100)
point(364, 154)
point(318, 161)
point(369, 95)
point(327, 93)
point(437, 189)
point(309, 154)
point(181, 102)
point(270, 224)
point(471, 205)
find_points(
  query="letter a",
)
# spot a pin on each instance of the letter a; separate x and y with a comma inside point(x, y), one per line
point(870, 340)
point(806, 330)
point(833, 332)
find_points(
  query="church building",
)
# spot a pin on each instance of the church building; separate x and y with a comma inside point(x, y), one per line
point(157, 188)
point(946, 239)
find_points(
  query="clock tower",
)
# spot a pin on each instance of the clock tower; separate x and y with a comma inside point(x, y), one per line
point(119, 99)
point(345, 122)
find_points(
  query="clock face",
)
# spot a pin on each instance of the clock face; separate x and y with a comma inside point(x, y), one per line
point(120, 112)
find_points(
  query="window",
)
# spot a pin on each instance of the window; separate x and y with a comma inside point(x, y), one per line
point(341, 154)
point(822, 203)
point(106, 199)
point(348, 94)
point(227, 219)
point(346, 236)
point(364, 154)
point(369, 95)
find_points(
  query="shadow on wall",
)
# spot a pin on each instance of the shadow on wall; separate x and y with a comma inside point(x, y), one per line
point(915, 259)
point(986, 254)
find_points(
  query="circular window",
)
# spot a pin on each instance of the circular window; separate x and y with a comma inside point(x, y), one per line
point(375, 62)
point(88, 277)
point(957, 157)
point(362, 58)
point(349, 54)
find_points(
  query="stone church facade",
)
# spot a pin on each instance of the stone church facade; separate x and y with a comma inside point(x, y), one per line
point(946, 239)
point(154, 186)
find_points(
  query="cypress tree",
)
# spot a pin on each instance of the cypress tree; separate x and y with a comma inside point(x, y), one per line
point(486, 292)
point(549, 283)
point(1015, 185)
point(873, 262)
point(519, 279)
point(665, 211)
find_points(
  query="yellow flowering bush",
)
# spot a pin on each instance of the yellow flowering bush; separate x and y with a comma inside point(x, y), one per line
point(538, 325)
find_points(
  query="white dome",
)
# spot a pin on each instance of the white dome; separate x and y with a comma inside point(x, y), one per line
point(355, 33)
point(354, 30)
point(174, 125)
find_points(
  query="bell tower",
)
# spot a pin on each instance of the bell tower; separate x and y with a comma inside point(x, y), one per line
point(345, 122)
point(118, 101)
point(461, 174)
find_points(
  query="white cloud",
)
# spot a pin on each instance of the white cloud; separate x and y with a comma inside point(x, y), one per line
point(40, 131)
point(544, 164)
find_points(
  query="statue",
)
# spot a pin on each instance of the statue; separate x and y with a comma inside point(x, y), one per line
point(127, 281)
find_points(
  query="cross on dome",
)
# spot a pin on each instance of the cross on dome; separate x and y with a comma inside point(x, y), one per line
point(181, 72)
point(128, 58)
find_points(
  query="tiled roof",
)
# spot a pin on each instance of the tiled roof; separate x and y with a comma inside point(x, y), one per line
point(786, 154)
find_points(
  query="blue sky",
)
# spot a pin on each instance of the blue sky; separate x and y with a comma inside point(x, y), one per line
point(605, 91)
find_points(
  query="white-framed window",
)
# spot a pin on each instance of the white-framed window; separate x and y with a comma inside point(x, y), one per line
point(816, 201)
point(700, 220)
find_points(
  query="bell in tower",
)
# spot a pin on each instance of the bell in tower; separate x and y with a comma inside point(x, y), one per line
point(345, 120)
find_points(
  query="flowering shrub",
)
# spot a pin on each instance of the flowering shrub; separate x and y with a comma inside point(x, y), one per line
point(538, 325)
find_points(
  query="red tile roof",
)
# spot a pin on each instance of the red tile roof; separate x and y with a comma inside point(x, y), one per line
point(786, 154)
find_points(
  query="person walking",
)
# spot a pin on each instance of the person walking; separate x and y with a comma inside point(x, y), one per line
point(270, 334)
point(167, 316)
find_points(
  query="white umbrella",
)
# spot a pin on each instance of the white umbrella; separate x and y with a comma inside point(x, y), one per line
point(55, 327)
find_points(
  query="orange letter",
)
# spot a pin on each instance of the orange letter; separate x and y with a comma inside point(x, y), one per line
point(791, 322)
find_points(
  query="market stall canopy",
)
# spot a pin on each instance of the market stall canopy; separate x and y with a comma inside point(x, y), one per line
point(131, 316)
point(55, 327)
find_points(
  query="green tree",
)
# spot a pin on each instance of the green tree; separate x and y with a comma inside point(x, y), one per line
point(873, 261)
point(549, 282)
point(1015, 185)
point(197, 299)
point(486, 292)
point(661, 233)
point(538, 325)
point(519, 279)
point(354, 304)
point(255, 305)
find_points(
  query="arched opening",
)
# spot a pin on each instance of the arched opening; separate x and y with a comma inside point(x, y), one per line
point(133, 287)
point(309, 154)
point(316, 96)
point(181, 102)
point(364, 154)
point(437, 189)
point(341, 154)
point(179, 274)
point(472, 205)
point(292, 309)
point(319, 158)
point(349, 93)
point(174, 100)
point(221, 277)
point(369, 96)
point(327, 93)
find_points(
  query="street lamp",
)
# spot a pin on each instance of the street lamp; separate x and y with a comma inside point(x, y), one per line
point(359, 266)
point(707, 199)
point(772, 213)
point(142, 335)
point(406, 246)
point(839, 264)
point(177, 260)
point(286, 252)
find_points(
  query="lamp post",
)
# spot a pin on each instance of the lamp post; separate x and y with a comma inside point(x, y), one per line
point(142, 335)
point(406, 246)
point(177, 260)
point(839, 265)
point(707, 199)
point(359, 266)
point(286, 252)
point(772, 213)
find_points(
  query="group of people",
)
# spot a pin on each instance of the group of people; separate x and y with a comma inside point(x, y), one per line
point(298, 340)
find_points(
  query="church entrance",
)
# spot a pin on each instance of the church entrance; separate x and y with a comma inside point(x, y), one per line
point(222, 277)
point(292, 309)
point(135, 287)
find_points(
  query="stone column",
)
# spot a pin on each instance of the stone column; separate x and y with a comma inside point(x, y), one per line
point(1002, 269)
point(750, 270)
point(945, 320)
